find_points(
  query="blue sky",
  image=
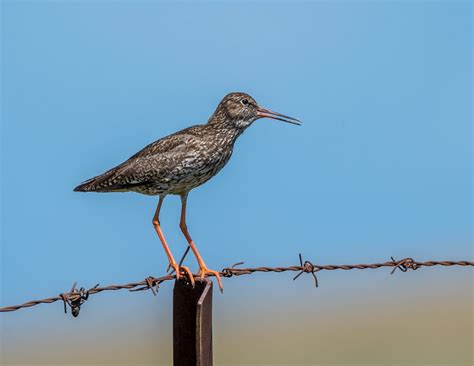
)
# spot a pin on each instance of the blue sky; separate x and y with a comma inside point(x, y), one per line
point(382, 165)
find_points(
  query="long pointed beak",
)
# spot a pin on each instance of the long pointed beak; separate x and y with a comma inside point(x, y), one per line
point(266, 113)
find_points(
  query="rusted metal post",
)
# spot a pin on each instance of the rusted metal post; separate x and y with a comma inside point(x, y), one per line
point(192, 323)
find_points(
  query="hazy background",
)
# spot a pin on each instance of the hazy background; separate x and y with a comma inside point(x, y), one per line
point(381, 167)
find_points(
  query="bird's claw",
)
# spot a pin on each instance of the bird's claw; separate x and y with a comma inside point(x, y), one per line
point(182, 271)
point(203, 271)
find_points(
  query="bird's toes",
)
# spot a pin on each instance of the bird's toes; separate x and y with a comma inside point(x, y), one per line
point(187, 274)
point(203, 272)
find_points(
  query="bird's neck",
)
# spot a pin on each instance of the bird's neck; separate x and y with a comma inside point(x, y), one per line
point(225, 128)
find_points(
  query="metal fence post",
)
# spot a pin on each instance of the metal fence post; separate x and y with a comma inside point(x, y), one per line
point(192, 323)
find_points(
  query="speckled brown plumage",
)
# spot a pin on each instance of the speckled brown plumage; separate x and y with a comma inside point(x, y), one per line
point(184, 160)
point(172, 165)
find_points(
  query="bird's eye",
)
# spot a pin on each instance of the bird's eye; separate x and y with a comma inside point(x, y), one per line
point(245, 102)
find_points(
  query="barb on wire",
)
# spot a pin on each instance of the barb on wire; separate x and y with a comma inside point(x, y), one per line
point(153, 284)
point(404, 265)
point(227, 272)
point(76, 298)
point(307, 267)
point(150, 284)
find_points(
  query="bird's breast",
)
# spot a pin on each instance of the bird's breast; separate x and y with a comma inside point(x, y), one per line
point(197, 167)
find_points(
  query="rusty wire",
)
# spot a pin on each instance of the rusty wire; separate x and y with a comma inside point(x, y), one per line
point(76, 298)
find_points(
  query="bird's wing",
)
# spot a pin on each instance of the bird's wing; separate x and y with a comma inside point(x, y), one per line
point(169, 143)
point(153, 163)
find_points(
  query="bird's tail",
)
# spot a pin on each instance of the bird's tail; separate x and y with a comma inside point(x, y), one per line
point(100, 183)
point(110, 181)
point(89, 185)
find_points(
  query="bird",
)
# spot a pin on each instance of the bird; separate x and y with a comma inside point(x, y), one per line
point(182, 161)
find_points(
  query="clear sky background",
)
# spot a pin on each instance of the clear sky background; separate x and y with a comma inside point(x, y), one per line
point(382, 166)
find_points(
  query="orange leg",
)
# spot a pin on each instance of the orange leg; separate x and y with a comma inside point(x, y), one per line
point(203, 269)
point(172, 262)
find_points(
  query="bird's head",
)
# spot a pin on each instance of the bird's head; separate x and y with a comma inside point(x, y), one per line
point(241, 110)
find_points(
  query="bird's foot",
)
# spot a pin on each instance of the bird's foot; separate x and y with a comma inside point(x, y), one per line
point(203, 271)
point(182, 271)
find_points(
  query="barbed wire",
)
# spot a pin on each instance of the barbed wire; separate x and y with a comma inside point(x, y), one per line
point(75, 298)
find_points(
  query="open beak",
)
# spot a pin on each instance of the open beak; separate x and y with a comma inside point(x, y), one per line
point(266, 113)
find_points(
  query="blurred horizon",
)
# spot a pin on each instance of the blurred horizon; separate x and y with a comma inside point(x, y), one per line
point(381, 167)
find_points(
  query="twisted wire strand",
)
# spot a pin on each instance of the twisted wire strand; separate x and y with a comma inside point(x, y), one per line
point(346, 267)
point(75, 298)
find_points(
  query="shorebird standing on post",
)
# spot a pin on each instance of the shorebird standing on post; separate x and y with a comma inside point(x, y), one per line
point(182, 161)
